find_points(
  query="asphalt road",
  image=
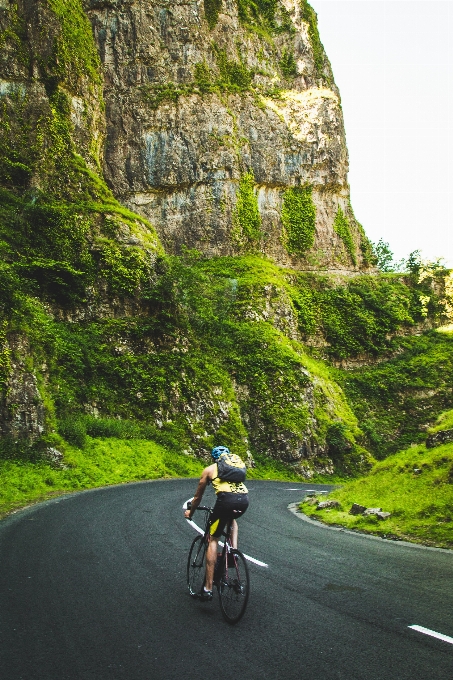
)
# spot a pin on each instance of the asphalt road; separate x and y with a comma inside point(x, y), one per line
point(92, 587)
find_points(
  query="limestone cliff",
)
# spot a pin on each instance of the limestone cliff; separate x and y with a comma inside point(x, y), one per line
point(217, 121)
point(199, 96)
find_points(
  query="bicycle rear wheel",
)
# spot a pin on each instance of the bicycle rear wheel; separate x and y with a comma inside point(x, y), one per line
point(234, 587)
point(196, 566)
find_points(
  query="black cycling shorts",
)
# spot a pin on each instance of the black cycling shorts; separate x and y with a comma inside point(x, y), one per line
point(228, 506)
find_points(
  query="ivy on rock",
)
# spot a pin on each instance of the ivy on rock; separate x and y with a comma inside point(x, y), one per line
point(247, 232)
point(299, 218)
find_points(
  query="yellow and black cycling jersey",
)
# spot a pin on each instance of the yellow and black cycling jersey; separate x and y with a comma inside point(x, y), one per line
point(222, 486)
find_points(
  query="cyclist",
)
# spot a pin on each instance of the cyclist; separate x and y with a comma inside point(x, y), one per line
point(231, 501)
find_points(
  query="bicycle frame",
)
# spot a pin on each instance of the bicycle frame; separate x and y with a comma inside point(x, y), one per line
point(227, 546)
point(230, 571)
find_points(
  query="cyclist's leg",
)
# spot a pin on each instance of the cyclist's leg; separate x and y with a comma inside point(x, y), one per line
point(217, 524)
point(211, 557)
point(234, 534)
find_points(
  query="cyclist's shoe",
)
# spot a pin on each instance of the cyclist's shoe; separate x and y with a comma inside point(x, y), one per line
point(205, 595)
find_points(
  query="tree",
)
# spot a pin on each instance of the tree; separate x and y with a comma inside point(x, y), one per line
point(384, 256)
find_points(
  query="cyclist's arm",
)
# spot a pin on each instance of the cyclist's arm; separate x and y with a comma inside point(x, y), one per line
point(205, 478)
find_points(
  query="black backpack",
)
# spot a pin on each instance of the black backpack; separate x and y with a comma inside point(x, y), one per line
point(231, 468)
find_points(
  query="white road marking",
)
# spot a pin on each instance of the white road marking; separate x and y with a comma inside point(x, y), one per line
point(293, 489)
point(432, 633)
point(200, 531)
point(258, 562)
point(195, 526)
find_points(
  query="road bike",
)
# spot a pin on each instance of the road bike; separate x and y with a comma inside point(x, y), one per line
point(231, 574)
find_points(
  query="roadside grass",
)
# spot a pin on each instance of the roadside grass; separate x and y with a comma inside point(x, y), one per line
point(414, 485)
point(105, 461)
point(101, 462)
point(267, 468)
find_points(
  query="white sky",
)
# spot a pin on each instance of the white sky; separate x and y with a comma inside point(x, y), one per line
point(393, 63)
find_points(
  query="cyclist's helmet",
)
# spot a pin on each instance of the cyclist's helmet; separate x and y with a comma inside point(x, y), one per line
point(218, 450)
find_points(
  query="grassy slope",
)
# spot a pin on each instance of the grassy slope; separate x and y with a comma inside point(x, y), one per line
point(396, 399)
point(102, 462)
point(421, 502)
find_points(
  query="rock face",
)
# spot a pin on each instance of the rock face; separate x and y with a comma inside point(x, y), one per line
point(196, 100)
point(22, 411)
point(438, 438)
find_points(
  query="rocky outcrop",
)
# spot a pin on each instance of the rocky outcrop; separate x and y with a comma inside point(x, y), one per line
point(22, 413)
point(438, 438)
point(357, 509)
point(192, 107)
point(328, 505)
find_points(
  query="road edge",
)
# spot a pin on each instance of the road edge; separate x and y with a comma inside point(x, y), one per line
point(294, 508)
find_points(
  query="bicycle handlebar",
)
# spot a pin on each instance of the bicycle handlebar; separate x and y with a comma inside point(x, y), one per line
point(200, 507)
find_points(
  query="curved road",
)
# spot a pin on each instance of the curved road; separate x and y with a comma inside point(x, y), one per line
point(92, 587)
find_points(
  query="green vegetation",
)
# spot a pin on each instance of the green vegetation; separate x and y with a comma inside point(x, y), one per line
point(366, 248)
point(369, 258)
point(211, 11)
point(414, 265)
point(204, 78)
point(60, 249)
point(267, 18)
point(59, 241)
point(397, 399)
point(299, 218)
point(154, 95)
point(384, 256)
point(100, 462)
point(414, 485)
point(204, 327)
point(13, 33)
point(443, 422)
point(365, 314)
point(234, 75)
point(204, 335)
point(309, 15)
point(247, 220)
point(75, 54)
point(231, 76)
point(266, 468)
point(342, 227)
point(258, 15)
point(288, 64)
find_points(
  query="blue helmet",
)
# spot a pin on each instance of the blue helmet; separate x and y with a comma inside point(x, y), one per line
point(218, 450)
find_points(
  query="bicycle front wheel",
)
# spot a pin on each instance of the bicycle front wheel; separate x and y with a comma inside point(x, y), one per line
point(196, 566)
point(234, 587)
